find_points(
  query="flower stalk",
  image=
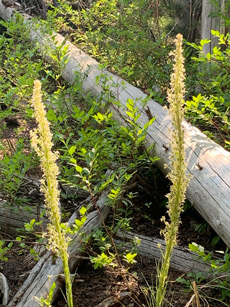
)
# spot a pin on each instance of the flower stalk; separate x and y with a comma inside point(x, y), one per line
point(41, 140)
point(178, 177)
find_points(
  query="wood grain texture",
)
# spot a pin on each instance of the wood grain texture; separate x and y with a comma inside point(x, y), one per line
point(209, 23)
point(45, 272)
point(183, 260)
point(14, 217)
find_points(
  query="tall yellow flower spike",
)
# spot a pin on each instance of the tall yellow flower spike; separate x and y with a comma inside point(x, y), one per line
point(177, 175)
point(41, 140)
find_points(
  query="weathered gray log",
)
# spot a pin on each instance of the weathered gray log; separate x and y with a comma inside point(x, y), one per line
point(13, 218)
point(183, 260)
point(45, 272)
point(207, 163)
point(4, 290)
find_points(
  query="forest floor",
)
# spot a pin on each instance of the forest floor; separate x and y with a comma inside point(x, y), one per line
point(106, 285)
point(91, 287)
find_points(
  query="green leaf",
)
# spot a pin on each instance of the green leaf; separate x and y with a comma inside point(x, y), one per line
point(129, 106)
point(197, 249)
point(136, 117)
point(149, 123)
point(130, 102)
point(86, 170)
point(72, 150)
point(130, 257)
point(139, 131)
point(193, 247)
point(141, 138)
point(83, 151)
point(10, 245)
point(215, 240)
point(100, 116)
point(216, 51)
point(78, 222)
point(51, 116)
point(130, 114)
point(193, 45)
point(78, 168)
point(74, 161)
point(215, 33)
point(83, 211)
point(204, 42)
point(208, 56)
point(154, 159)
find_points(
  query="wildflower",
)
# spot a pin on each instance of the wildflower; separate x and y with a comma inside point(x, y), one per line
point(177, 175)
point(41, 140)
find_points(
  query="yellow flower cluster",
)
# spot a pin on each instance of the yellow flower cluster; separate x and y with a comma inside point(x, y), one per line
point(177, 175)
point(41, 140)
point(177, 158)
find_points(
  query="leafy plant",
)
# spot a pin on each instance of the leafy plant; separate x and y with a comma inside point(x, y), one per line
point(209, 109)
point(219, 268)
point(4, 248)
point(121, 35)
point(13, 169)
point(84, 131)
point(46, 302)
point(129, 258)
point(102, 260)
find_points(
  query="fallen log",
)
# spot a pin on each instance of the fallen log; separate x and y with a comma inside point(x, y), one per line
point(207, 163)
point(45, 272)
point(13, 218)
point(183, 260)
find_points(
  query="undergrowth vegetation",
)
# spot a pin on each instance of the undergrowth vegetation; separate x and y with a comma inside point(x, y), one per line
point(89, 140)
point(125, 38)
point(96, 154)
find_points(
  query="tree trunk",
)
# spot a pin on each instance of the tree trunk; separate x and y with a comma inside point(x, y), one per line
point(188, 12)
point(209, 23)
